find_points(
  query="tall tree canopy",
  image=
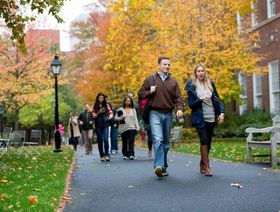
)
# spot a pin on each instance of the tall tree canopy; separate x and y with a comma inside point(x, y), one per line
point(135, 33)
point(189, 32)
point(24, 77)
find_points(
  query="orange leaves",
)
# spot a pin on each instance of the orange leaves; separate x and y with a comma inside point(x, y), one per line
point(33, 200)
point(134, 33)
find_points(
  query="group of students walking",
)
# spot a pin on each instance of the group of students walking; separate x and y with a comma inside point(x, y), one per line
point(107, 123)
point(203, 100)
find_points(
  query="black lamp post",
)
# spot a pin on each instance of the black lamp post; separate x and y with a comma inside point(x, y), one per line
point(56, 67)
point(2, 111)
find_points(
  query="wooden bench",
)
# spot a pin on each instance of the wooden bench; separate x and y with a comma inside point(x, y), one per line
point(176, 135)
point(272, 144)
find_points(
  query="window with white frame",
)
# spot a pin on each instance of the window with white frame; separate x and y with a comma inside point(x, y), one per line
point(271, 8)
point(257, 89)
point(274, 87)
point(242, 79)
point(254, 16)
point(240, 20)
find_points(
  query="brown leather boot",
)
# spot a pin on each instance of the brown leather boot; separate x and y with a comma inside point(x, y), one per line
point(201, 164)
point(202, 168)
point(205, 160)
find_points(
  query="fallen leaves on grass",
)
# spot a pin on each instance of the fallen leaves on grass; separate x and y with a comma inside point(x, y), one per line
point(33, 199)
point(3, 196)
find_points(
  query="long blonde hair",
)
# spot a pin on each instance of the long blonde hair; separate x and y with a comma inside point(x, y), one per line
point(206, 80)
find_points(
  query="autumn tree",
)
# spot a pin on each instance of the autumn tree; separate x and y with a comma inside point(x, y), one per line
point(87, 61)
point(130, 44)
point(189, 32)
point(24, 77)
point(15, 20)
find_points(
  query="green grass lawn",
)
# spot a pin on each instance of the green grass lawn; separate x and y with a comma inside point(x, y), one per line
point(42, 176)
point(228, 150)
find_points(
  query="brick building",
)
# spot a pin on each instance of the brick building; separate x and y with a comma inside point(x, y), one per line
point(262, 91)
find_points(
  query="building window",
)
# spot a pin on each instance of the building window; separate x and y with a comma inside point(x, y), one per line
point(271, 8)
point(257, 89)
point(254, 16)
point(242, 79)
point(240, 22)
point(274, 87)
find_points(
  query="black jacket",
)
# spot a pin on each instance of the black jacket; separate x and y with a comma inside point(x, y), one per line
point(87, 119)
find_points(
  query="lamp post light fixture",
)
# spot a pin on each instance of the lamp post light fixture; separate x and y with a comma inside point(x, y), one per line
point(56, 68)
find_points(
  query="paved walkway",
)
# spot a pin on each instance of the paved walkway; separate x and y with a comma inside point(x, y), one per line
point(124, 186)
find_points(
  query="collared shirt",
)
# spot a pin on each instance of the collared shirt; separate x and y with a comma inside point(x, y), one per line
point(163, 76)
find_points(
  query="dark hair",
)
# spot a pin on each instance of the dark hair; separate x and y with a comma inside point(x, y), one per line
point(132, 104)
point(162, 58)
point(96, 104)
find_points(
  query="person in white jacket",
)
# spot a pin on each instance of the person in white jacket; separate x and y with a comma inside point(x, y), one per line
point(128, 126)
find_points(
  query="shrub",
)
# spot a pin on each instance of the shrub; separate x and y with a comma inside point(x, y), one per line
point(189, 133)
point(235, 125)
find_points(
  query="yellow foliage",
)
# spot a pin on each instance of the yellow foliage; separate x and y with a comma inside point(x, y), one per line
point(190, 32)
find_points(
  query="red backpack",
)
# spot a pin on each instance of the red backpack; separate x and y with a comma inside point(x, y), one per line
point(145, 104)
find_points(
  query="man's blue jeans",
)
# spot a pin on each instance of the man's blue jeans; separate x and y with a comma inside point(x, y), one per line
point(161, 124)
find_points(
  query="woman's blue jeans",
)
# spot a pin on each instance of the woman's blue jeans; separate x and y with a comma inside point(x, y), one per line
point(160, 124)
point(102, 138)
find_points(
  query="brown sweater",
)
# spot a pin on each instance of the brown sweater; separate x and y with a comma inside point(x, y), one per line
point(166, 96)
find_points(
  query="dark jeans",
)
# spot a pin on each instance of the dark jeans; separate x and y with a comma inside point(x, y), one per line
point(114, 138)
point(206, 133)
point(102, 138)
point(150, 138)
point(128, 138)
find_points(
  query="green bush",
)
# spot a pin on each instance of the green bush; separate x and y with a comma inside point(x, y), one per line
point(235, 125)
point(189, 133)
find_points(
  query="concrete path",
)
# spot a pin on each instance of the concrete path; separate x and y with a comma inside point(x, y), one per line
point(124, 186)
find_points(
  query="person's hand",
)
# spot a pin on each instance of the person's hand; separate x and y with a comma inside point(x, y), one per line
point(179, 114)
point(81, 123)
point(221, 118)
point(94, 115)
point(205, 97)
point(110, 116)
point(153, 89)
point(102, 110)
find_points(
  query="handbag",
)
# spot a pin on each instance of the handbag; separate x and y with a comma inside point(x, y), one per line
point(71, 140)
point(216, 104)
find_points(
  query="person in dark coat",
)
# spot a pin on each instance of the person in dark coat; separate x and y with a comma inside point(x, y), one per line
point(205, 104)
point(102, 113)
point(86, 122)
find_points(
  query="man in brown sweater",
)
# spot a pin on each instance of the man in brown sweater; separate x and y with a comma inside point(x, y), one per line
point(166, 94)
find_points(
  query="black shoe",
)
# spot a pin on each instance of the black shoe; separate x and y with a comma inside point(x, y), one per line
point(164, 173)
point(131, 158)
